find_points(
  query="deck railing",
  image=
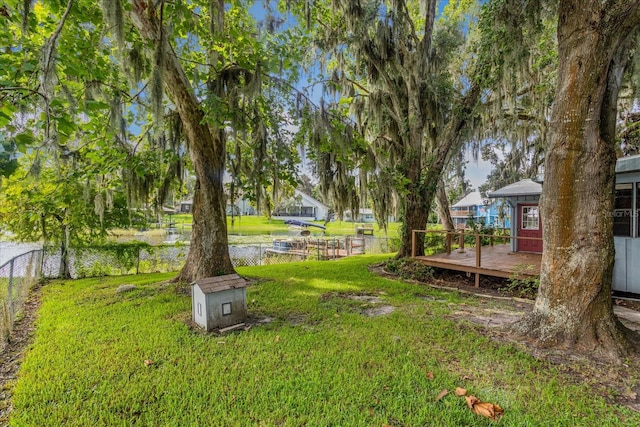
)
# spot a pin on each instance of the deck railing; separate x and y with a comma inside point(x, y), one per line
point(461, 240)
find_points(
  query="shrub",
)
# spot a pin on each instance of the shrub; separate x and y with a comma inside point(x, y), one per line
point(407, 268)
point(523, 285)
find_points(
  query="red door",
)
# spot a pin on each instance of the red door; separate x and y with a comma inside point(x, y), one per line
point(529, 226)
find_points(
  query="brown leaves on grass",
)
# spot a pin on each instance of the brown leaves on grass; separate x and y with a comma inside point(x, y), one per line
point(442, 394)
point(484, 409)
point(460, 391)
point(148, 362)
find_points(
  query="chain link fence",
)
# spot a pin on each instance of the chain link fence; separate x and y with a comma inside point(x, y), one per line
point(17, 276)
point(103, 261)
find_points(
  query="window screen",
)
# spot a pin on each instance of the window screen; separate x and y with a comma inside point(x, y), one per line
point(623, 210)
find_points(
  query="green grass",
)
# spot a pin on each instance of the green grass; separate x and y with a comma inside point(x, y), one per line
point(319, 362)
point(261, 225)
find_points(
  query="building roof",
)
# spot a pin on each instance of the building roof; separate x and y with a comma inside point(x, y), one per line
point(526, 187)
point(310, 200)
point(210, 285)
point(628, 164)
point(471, 199)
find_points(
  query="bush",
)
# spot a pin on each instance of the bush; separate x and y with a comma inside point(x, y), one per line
point(523, 285)
point(407, 268)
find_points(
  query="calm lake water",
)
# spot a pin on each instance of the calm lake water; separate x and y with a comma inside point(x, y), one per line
point(10, 250)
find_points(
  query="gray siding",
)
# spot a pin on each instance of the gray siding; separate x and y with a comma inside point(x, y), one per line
point(215, 301)
point(626, 270)
point(207, 308)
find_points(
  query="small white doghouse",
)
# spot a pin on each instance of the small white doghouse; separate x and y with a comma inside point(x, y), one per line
point(219, 302)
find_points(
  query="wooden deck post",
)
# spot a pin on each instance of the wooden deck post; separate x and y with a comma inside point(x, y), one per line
point(449, 238)
point(478, 259)
point(413, 243)
point(491, 239)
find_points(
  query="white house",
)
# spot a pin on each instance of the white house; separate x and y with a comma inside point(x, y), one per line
point(364, 215)
point(301, 206)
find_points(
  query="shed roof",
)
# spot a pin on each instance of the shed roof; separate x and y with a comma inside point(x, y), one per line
point(525, 187)
point(628, 164)
point(210, 285)
point(472, 199)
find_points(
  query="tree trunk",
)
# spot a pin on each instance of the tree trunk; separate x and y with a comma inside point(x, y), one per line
point(64, 270)
point(416, 210)
point(424, 178)
point(209, 251)
point(573, 307)
point(442, 205)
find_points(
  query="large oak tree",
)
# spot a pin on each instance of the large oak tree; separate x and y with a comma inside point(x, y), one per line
point(573, 307)
point(393, 62)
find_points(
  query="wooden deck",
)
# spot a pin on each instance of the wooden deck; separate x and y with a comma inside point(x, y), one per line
point(492, 260)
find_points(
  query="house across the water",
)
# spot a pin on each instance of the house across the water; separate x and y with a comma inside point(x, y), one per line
point(473, 208)
point(301, 206)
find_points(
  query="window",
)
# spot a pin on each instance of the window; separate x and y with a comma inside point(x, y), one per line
point(226, 308)
point(623, 212)
point(530, 218)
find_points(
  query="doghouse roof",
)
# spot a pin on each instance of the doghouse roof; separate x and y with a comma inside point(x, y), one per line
point(526, 187)
point(210, 285)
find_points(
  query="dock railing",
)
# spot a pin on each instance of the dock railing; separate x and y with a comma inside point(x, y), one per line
point(459, 242)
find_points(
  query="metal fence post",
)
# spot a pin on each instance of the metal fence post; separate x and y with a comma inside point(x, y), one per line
point(259, 253)
point(9, 294)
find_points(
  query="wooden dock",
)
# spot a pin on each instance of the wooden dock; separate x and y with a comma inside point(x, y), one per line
point(319, 249)
point(495, 260)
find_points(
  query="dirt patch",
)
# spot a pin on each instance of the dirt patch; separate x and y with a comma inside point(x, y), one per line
point(369, 305)
point(11, 355)
point(382, 310)
point(488, 317)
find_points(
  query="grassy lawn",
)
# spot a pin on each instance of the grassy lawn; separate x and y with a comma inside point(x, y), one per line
point(318, 362)
point(262, 225)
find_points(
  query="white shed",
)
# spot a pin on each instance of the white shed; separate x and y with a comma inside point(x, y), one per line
point(219, 302)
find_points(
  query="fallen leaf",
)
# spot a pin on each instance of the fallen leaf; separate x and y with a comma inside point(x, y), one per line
point(442, 394)
point(430, 375)
point(460, 391)
point(489, 410)
point(471, 400)
point(148, 362)
point(277, 338)
point(485, 409)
